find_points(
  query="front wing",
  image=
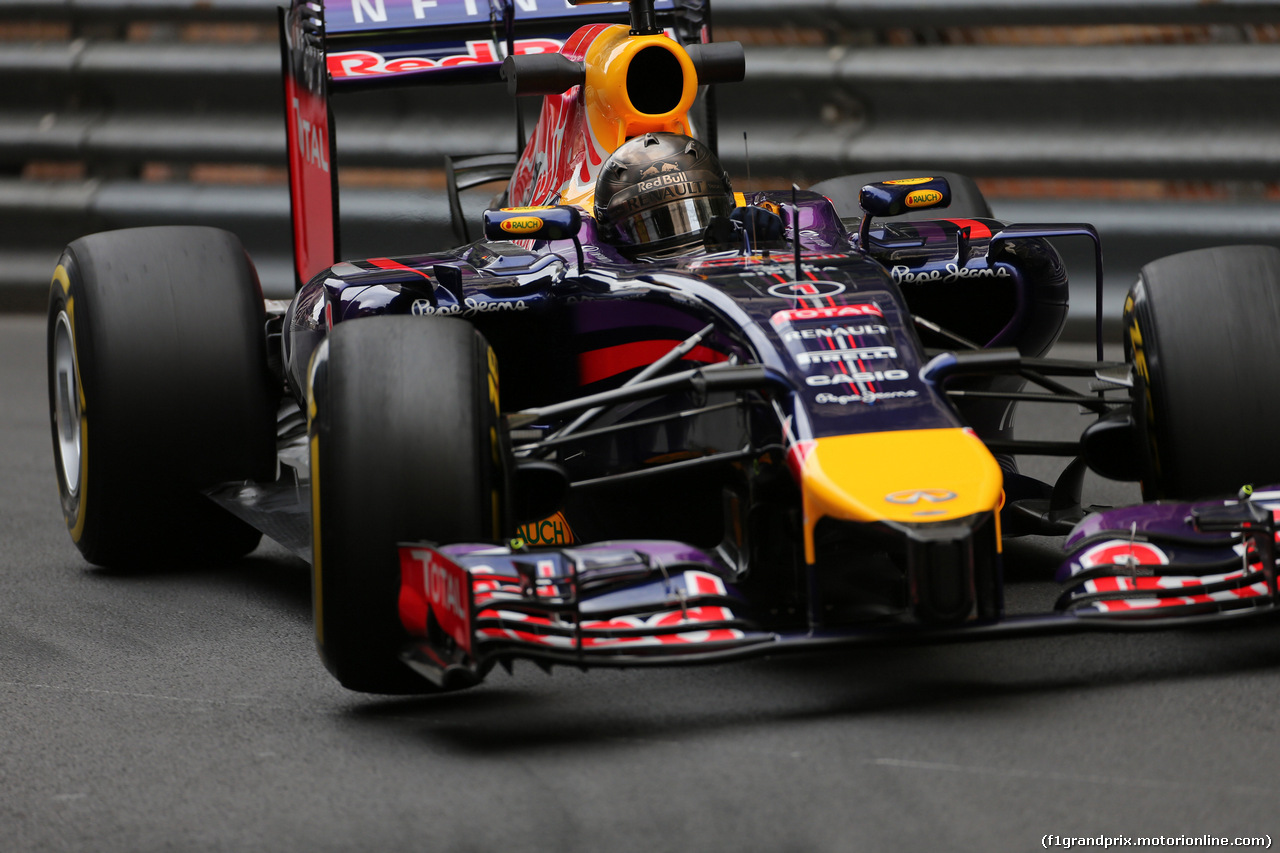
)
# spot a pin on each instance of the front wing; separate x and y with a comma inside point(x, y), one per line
point(645, 603)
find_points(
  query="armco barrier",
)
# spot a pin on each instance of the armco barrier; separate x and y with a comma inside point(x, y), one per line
point(833, 87)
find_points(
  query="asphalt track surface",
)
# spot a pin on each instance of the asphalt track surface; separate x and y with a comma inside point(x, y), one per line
point(186, 710)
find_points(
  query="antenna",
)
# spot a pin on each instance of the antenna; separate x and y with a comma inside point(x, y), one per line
point(643, 20)
point(795, 227)
point(509, 25)
point(746, 154)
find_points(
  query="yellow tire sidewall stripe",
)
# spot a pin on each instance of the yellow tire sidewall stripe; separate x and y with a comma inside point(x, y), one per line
point(317, 586)
point(62, 280)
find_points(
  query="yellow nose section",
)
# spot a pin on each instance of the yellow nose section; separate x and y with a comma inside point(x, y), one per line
point(909, 476)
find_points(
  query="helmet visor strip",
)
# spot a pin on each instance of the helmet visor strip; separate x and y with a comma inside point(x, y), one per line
point(676, 219)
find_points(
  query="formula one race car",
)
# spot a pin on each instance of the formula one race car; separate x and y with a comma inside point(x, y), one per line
point(649, 418)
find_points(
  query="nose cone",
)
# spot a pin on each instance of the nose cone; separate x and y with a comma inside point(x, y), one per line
point(908, 476)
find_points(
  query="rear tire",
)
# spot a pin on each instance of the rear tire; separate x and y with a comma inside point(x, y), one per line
point(967, 201)
point(405, 446)
point(158, 387)
point(1200, 329)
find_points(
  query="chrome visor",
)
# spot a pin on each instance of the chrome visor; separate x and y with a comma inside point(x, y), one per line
point(676, 219)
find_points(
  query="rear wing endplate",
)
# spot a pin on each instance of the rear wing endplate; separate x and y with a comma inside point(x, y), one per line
point(313, 176)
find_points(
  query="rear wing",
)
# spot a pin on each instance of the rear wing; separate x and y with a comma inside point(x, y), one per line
point(354, 45)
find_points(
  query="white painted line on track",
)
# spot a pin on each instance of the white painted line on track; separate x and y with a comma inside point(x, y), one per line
point(127, 695)
point(1057, 776)
point(239, 702)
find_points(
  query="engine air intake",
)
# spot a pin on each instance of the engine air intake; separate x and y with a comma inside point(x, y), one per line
point(655, 81)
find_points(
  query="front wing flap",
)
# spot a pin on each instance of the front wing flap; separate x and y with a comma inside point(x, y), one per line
point(1157, 561)
point(468, 606)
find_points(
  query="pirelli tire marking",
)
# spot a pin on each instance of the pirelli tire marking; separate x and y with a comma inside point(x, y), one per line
point(318, 358)
point(1138, 356)
point(495, 448)
point(317, 588)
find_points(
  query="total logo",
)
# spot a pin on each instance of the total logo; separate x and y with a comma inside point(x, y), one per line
point(444, 588)
point(806, 289)
point(869, 309)
point(448, 592)
point(311, 140)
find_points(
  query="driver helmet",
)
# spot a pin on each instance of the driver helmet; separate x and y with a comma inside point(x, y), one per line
point(656, 194)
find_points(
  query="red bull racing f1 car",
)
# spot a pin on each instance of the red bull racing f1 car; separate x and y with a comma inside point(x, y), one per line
point(649, 417)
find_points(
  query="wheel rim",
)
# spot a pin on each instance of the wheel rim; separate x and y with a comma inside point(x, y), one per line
point(66, 395)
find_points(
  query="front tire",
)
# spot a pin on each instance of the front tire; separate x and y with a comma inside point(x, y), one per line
point(1200, 330)
point(158, 387)
point(405, 446)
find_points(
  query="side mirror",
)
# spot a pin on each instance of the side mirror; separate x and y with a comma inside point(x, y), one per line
point(560, 222)
point(542, 74)
point(540, 489)
point(891, 198)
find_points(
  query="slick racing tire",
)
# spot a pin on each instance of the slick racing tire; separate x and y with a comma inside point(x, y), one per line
point(1200, 330)
point(967, 201)
point(158, 387)
point(405, 447)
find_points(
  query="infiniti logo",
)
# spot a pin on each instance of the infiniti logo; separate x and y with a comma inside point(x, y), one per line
point(915, 496)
